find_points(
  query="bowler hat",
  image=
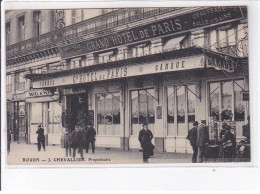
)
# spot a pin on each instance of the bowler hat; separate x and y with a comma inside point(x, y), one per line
point(195, 123)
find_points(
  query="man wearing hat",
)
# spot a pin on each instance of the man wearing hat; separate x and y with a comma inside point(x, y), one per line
point(192, 137)
point(202, 140)
point(229, 144)
point(40, 138)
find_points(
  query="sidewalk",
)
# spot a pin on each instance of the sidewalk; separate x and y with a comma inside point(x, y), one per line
point(24, 154)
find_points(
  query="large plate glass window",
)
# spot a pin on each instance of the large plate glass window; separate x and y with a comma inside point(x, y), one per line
point(142, 109)
point(108, 113)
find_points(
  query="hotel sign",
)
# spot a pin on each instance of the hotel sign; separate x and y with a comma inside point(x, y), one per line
point(181, 23)
point(171, 65)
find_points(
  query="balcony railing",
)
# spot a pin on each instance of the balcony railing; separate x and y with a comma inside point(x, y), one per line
point(100, 24)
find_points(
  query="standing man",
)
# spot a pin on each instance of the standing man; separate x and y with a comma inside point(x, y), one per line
point(91, 138)
point(40, 138)
point(76, 141)
point(145, 139)
point(192, 137)
point(202, 140)
point(67, 143)
point(229, 144)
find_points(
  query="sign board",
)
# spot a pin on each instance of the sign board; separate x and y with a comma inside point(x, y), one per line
point(19, 97)
point(38, 93)
point(159, 112)
point(72, 91)
point(172, 25)
point(171, 65)
point(221, 63)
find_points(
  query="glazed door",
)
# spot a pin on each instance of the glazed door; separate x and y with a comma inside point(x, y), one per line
point(180, 116)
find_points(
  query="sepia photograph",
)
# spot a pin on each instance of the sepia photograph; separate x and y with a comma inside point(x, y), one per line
point(142, 85)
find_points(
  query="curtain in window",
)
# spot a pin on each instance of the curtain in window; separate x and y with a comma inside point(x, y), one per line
point(214, 99)
point(170, 110)
point(191, 103)
point(239, 103)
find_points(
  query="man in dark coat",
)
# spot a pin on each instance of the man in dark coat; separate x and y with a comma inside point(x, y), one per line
point(40, 138)
point(202, 140)
point(76, 141)
point(91, 134)
point(145, 139)
point(67, 143)
point(192, 137)
point(229, 144)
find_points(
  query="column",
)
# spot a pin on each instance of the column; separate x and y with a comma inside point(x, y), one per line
point(197, 38)
point(158, 128)
point(156, 45)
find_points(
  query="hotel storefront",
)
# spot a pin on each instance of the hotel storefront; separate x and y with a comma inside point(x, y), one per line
point(169, 91)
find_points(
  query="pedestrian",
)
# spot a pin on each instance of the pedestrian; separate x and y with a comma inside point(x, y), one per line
point(202, 141)
point(192, 137)
point(229, 144)
point(76, 141)
point(67, 143)
point(91, 137)
point(40, 138)
point(145, 139)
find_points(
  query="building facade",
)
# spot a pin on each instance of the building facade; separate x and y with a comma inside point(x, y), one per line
point(165, 66)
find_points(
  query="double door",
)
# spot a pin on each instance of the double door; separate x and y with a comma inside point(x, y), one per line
point(180, 115)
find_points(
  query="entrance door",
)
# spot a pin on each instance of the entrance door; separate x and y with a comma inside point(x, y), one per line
point(36, 118)
point(180, 116)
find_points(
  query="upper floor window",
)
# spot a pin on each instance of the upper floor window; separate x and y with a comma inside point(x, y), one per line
point(21, 28)
point(222, 37)
point(73, 16)
point(37, 22)
point(141, 50)
point(106, 57)
point(8, 33)
point(178, 42)
point(20, 81)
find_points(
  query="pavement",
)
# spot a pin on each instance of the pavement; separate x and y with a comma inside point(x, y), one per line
point(25, 154)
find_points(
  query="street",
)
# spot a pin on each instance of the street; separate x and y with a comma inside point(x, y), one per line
point(24, 154)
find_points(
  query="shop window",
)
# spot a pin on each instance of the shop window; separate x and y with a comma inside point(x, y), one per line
point(239, 103)
point(214, 90)
point(170, 110)
point(54, 118)
point(142, 109)
point(191, 103)
point(226, 100)
point(184, 98)
point(108, 113)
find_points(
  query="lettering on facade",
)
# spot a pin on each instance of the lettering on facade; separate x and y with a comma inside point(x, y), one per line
point(201, 18)
point(38, 93)
point(100, 75)
point(221, 63)
point(124, 71)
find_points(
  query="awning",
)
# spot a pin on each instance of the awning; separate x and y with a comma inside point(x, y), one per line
point(42, 99)
point(173, 43)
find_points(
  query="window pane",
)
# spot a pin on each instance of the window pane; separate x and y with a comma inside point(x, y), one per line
point(226, 112)
point(181, 104)
point(191, 103)
point(150, 102)
point(142, 107)
point(116, 108)
point(231, 36)
point(170, 103)
point(239, 103)
point(214, 100)
point(134, 101)
point(222, 38)
point(108, 109)
point(100, 109)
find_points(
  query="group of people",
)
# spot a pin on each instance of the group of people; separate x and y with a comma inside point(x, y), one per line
point(80, 139)
point(199, 140)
